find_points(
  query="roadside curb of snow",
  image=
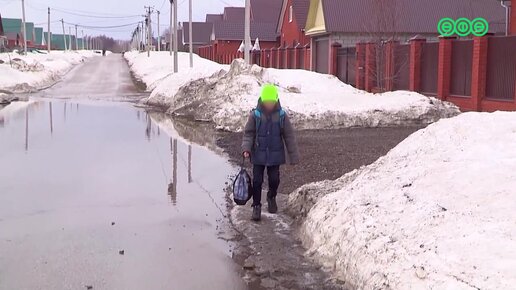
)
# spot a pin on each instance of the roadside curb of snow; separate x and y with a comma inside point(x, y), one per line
point(50, 79)
point(226, 98)
point(423, 216)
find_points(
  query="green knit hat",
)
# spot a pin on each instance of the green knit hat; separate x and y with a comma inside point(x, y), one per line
point(269, 94)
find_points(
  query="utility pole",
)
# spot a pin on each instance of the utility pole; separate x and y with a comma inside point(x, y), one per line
point(76, 39)
point(171, 25)
point(176, 56)
point(24, 28)
point(159, 35)
point(247, 40)
point(48, 31)
point(149, 29)
point(190, 34)
point(64, 36)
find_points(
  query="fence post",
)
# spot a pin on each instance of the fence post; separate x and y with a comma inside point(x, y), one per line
point(360, 63)
point(444, 67)
point(390, 65)
point(479, 71)
point(306, 56)
point(416, 47)
point(272, 61)
point(334, 65)
point(286, 58)
point(370, 66)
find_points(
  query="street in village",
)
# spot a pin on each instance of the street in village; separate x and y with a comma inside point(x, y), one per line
point(119, 147)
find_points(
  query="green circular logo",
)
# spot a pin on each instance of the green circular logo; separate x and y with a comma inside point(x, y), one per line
point(479, 27)
point(463, 27)
point(446, 27)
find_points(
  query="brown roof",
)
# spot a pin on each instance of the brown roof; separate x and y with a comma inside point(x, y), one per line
point(267, 11)
point(225, 30)
point(410, 16)
point(234, 14)
point(201, 32)
point(214, 17)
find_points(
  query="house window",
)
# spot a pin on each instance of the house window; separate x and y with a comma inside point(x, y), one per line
point(290, 14)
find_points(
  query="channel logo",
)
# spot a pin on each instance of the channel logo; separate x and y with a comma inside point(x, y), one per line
point(463, 27)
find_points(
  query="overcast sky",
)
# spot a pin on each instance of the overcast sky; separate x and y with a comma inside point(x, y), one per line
point(110, 11)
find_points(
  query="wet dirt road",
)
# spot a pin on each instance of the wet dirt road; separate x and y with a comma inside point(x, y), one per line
point(96, 195)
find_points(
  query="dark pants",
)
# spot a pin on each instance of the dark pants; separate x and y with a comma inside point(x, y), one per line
point(273, 174)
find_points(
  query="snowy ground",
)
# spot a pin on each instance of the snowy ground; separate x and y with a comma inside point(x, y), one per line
point(437, 212)
point(225, 95)
point(156, 72)
point(35, 71)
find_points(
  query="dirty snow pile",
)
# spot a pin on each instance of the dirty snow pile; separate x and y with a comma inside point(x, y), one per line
point(437, 212)
point(36, 70)
point(313, 100)
point(156, 72)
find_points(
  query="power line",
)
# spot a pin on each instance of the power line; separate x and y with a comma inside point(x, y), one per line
point(94, 16)
point(103, 27)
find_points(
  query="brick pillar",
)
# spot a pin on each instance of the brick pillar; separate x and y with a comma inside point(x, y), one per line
point(307, 57)
point(333, 59)
point(360, 63)
point(279, 58)
point(416, 47)
point(390, 65)
point(444, 67)
point(479, 71)
point(370, 67)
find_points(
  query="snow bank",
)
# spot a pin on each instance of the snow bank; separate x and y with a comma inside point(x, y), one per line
point(156, 72)
point(437, 212)
point(313, 100)
point(34, 71)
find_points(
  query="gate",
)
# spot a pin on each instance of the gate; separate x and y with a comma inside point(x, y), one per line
point(461, 65)
point(429, 67)
point(501, 68)
point(346, 64)
point(322, 51)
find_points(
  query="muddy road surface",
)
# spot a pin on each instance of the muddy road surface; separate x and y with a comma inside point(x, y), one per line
point(95, 195)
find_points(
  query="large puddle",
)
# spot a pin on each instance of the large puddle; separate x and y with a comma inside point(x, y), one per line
point(104, 195)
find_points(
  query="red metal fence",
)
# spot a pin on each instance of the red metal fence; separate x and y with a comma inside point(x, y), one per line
point(478, 74)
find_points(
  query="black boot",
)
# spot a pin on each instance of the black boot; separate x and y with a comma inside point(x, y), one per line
point(257, 213)
point(271, 205)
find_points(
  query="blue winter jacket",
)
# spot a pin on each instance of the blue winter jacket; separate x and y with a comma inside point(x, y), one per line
point(267, 134)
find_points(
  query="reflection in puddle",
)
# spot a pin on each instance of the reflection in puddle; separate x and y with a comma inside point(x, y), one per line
point(66, 177)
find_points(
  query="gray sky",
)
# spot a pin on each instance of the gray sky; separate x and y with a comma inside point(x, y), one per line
point(36, 11)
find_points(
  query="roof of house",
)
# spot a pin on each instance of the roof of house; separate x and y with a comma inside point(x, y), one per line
point(234, 14)
point(300, 9)
point(11, 24)
point(201, 32)
point(30, 30)
point(235, 31)
point(267, 11)
point(409, 16)
point(38, 31)
point(13, 35)
point(214, 17)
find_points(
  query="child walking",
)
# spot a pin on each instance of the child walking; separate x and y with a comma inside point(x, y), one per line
point(267, 132)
